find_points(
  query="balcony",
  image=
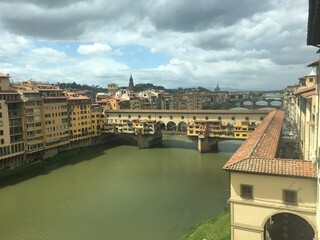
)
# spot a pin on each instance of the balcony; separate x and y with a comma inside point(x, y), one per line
point(15, 115)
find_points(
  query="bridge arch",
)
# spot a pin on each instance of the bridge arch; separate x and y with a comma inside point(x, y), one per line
point(161, 125)
point(182, 126)
point(287, 225)
point(171, 126)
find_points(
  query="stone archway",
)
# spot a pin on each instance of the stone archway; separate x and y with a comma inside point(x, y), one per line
point(171, 126)
point(182, 127)
point(283, 226)
point(161, 126)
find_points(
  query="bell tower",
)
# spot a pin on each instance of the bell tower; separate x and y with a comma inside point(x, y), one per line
point(131, 84)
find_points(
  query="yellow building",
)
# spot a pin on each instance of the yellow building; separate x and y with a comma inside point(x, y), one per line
point(12, 141)
point(79, 118)
point(97, 120)
point(46, 115)
point(55, 117)
point(271, 198)
point(33, 118)
point(305, 118)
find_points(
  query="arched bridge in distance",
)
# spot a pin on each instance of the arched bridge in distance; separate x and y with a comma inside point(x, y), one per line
point(204, 127)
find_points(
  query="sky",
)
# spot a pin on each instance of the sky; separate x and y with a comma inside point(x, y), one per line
point(238, 44)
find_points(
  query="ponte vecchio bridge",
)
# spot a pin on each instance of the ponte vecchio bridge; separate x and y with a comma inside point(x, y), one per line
point(204, 127)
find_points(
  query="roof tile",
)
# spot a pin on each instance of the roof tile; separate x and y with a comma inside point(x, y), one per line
point(258, 153)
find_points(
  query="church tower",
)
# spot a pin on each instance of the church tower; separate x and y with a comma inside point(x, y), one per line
point(217, 89)
point(131, 85)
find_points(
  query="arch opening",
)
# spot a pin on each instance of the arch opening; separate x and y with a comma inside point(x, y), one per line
point(161, 126)
point(182, 127)
point(284, 226)
point(171, 126)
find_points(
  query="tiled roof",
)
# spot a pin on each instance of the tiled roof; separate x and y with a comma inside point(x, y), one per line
point(308, 94)
point(2, 75)
point(314, 64)
point(287, 167)
point(258, 153)
point(78, 98)
point(304, 89)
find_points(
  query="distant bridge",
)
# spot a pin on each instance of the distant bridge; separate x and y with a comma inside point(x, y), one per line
point(256, 102)
point(205, 127)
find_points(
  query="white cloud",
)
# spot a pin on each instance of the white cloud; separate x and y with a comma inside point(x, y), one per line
point(263, 47)
point(11, 44)
point(94, 49)
point(48, 53)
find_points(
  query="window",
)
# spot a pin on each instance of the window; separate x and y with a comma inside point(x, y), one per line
point(160, 117)
point(182, 117)
point(207, 118)
point(219, 118)
point(247, 118)
point(129, 116)
point(119, 115)
point(149, 116)
point(171, 117)
point(261, 118)
point(139, 116)
point(289, 196)
point(194, 117)
point(246, 191)
point(233, 118)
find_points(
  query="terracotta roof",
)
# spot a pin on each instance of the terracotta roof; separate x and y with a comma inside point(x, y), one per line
point(79, 98)
point(304, 89)
point(308, 94)
point(2, 75)
point(258, 153)
point(9, 92)
point(29, 91)
point(51, 89)
point(288, 167)
point(56, 97)
point(314, 64)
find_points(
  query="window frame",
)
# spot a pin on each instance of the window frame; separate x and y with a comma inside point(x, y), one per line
point(287, 199)
point(243, 191)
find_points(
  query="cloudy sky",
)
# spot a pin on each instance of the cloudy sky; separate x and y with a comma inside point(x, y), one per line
point(240, 44)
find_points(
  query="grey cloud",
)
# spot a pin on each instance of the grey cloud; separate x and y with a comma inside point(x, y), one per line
point(45, 28)
point(47, 3)
point(295, 56)
point(73, 20)
point(215, 41)
point(190, 15)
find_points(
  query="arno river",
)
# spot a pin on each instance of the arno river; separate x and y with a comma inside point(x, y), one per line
point(120, 192)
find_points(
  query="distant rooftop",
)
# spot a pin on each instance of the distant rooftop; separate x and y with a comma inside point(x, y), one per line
point(4, 75)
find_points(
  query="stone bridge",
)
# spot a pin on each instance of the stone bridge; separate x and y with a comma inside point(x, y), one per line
point(204, 127)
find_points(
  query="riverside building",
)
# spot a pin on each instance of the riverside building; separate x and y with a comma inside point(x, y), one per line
point(273, 197)
point(12, 141)
point(38, 120)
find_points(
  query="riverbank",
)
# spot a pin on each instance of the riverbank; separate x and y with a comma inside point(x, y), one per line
point(217, 228)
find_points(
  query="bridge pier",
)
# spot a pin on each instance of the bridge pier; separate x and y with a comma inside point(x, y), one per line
point(146, 141)
point(205, 144)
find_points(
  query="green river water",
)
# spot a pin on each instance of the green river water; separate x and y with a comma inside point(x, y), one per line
point(120, 192)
